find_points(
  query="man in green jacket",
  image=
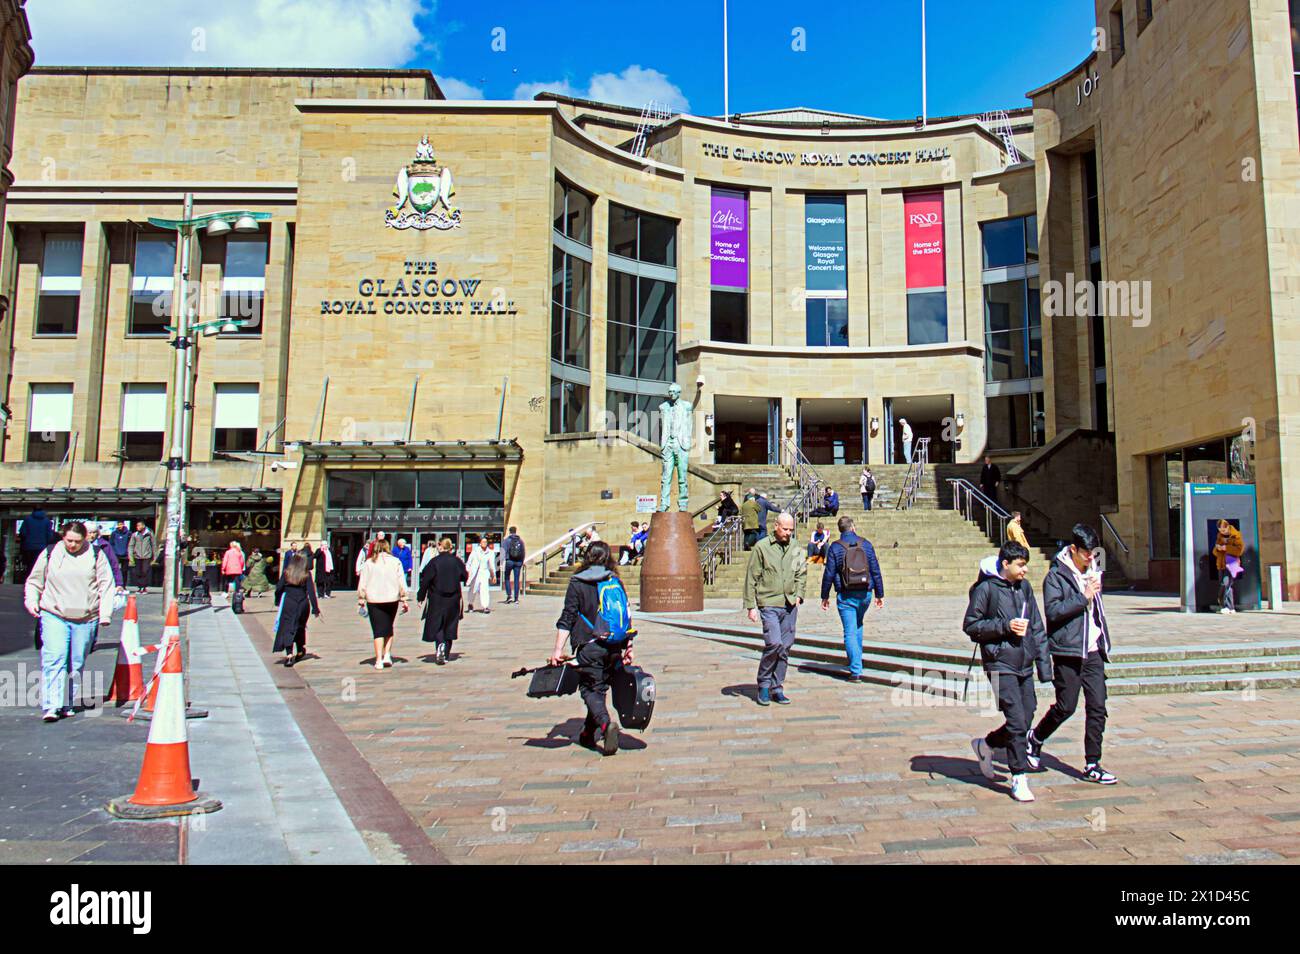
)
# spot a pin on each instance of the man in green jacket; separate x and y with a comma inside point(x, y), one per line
point(774, 586)
point(749, 520)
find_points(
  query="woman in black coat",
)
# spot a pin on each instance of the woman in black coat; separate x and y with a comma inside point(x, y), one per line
point(440, 583)
point(295, 594)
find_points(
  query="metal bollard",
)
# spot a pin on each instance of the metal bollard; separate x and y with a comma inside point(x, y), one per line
point(1275, 586)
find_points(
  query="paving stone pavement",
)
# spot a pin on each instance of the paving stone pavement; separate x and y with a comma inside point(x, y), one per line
point(848, 773)
point(57, 778)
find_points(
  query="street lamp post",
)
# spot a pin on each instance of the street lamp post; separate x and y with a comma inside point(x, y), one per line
point(216, 223)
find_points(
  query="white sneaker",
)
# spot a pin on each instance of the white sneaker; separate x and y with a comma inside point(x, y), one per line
point(985, 756)
point(1225, 610)
point(1020, 789)
point(388, 661)
point(379, 664)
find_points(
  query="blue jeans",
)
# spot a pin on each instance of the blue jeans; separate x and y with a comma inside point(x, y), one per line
point(513, 569)
point(853, 610)
point(866, 501)
point(778, 638)
point(59, 639)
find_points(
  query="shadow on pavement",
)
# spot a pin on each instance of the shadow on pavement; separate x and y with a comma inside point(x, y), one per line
point(965, 771)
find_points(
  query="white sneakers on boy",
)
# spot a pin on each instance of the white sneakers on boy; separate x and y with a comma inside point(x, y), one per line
point(1020, 788)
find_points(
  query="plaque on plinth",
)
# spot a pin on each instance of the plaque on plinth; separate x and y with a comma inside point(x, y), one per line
point(671, 579)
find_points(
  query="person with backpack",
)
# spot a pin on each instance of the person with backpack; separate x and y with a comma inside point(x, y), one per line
point(1002, 617)
point(1078, 640)
point(598, 627)
point(70, 590)
point(35, 533)
point(866, 487)
point(852, 568)
point(513, 547)
point(775, 580)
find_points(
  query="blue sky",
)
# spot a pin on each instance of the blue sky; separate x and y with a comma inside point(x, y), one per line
point(858, 57)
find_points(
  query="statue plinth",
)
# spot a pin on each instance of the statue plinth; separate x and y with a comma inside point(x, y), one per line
point(671, 579)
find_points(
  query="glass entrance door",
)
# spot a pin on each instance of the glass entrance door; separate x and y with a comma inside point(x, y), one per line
point(345, 545)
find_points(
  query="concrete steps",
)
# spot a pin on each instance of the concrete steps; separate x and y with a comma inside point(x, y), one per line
point(943, 671)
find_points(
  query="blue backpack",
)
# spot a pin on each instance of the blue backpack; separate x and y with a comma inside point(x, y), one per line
point(613, 622)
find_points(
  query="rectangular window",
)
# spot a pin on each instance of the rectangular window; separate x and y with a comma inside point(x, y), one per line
point(570, 309)
point(49, 422)
point(1145, 13)
point(152, 281)
point(1092, 198)
point(235, 418)
point(1117, 31)
point(827, 322)
point(483, 489)
point(568, 406)
point(144, 421)
point(729, 317)
point(927, 318)
point(349, 490)
point(1004, 243)
point(572, 212)
point(1015, 421)
point(395, 489)
point(243, 282)
point(439, 489)
point(60, 294)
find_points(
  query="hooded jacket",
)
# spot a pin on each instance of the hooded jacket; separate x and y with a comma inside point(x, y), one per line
point(35, 532)
point(1234, 546)
point(580, 600)
point(994, 603)
point(1066, 609)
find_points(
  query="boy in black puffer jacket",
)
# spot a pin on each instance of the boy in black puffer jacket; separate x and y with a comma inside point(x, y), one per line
point(1002, 616)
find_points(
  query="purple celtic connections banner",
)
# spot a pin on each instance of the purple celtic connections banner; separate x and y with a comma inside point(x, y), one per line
point(729, 239)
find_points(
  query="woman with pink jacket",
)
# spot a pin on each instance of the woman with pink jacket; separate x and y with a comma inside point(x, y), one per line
point(232, 566)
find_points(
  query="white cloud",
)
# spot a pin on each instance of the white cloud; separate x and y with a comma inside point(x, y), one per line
point(563, 87)
point(266, 33)
point(635, 86)
point(458, 89)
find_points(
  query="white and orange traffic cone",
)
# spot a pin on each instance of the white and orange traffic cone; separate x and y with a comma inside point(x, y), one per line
point(128, 679)
point(165, 786)
point(171, 631)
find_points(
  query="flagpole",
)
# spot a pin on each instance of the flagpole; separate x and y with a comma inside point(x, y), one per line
point(726, 87)
point(924, 104)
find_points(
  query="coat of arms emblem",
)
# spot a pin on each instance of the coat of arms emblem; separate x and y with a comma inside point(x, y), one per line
point(426, 188)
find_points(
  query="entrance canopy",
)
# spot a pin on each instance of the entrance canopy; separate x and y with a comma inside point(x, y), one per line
point(130, 496)
point(398, 451)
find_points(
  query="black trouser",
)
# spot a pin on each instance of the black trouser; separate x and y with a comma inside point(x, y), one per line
point(596, 664)
point(1069, 674)
point(1017, 701)
point(751, 537)
point(140, 572)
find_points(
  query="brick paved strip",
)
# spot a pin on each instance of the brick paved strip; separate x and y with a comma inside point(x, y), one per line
point(927, 844)
point(1240, 857)
point(538, 827)
point(823, 831)
point(684, 821)
point(554, 786)
point(1098, 802)
point(921, 813)
point(612, 844)
point(368, 802)
point(1285, 816)
point(865, 779)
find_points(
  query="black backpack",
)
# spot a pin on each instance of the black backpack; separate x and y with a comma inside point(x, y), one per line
point(855, 567)
point(515, 549)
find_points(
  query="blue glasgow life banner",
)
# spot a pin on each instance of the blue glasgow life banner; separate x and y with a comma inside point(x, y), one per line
point(825, 241)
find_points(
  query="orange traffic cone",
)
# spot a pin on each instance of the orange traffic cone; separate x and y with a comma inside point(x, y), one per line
point(171, 631)
point(165, 786)
point(128, 680)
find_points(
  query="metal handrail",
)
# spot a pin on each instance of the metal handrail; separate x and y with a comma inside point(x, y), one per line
point(801, 471)
point(557, 545)
point(1113, 532)
point(965, 497)
point(721, 546)
point(915, 473)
